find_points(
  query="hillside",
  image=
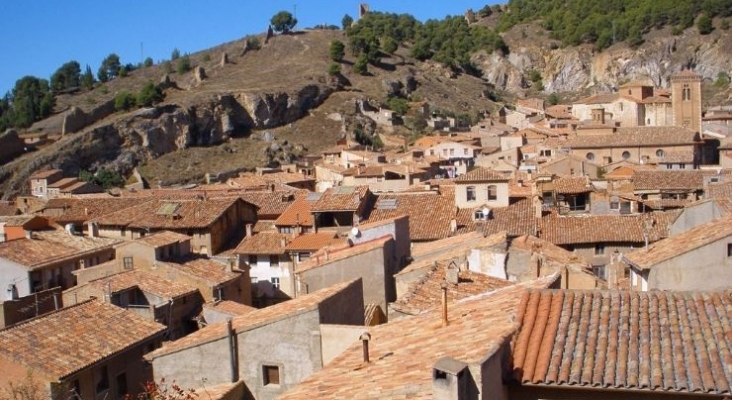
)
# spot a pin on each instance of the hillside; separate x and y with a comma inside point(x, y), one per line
point(284, 94)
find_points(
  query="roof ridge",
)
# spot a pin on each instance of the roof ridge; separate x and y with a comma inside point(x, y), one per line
point(50, 313)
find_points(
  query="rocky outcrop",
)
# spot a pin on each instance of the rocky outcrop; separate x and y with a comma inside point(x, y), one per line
point(573, 69)
point(11, 146)
point(148, 133)
point(76, 119)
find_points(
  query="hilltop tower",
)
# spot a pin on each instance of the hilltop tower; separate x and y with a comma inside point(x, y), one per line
point(363, 9)
point(686, 99)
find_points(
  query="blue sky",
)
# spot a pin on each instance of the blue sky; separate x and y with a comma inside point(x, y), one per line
point(41, 35)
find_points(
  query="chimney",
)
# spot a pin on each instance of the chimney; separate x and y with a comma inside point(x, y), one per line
point(453, 225)
point(443, 286)
point(450, 379)
point(365, 337)
point(93, 230)
point(86, 211)
point(327, 256)
point(29, 234)
point(452, 274)
point(249, 230)
point(283, 242)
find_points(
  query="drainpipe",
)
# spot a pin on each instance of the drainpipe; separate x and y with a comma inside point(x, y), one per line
point(233, 361)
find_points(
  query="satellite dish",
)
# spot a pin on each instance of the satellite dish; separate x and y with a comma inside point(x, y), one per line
point(355, 232)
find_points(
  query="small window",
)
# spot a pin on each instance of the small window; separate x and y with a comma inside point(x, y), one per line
point(252, 259)
point(303, 256)
point(465, 151)
point(452, 152)
point(122, 385)
point(614, 205)
point(729, 249)
point(626, 155)
point(492, 192)
point(660, 153)
point(440, 375)
point(470, 193)
point(128, 262)
point(682, 166)
point(599, 271)
point(599, 249)
point(123, 232)
point(103, 380)
point(590, 156)
point(270, 375)
point(275, 282)
point(274, 260)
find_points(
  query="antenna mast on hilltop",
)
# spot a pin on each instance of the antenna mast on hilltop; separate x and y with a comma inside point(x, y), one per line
point(294, 10)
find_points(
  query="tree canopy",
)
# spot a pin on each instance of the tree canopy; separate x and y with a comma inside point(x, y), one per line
point(66, 77)
point(109, 68)
point(31, 100)
point(283, 22)
point(598, 21)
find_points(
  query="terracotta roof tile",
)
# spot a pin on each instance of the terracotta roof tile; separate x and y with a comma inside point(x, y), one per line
point(229, 307)
point(8, 208)
point(45, 173)
point(81, 210)
point(312, 241)
point(429, 213)
point(682, 243)
point(254, 319)
point(719, 190)
point(341, 198)
point(601, 98)
point(143, 280)
point(403, 352)
point(163, 238)
point(481, 174)
point(205, 269)
point(298, 213)
point(670, 179)
point(548, 250)
point(637, 137)
point(648, 341)
point(572, 185)
point(73, 338)
point(51, 246)
point(517, 219)
point(425, 293)
point(568, 230)
point(63, 183)
point(170, 214)
point(271, 204)
point(263, 243)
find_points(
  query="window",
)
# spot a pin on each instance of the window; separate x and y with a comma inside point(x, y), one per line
point(599, 249)
point(303, 256)
point(660, 153)
point(452, 152)
point(590, 156)
point(465, 151)
point(470, 193)
point(122, 385)
point(626, 155)
point(274, 260)
point(599, 271)
point(252, 259)
point(686, 93)
point(128, 262)
point(614, 205)
point(275, 282)
point(492, 192)
point(682, 166)
point(123, 232)
point(669, 166)
point(729, 249)
point(270, 375)
point(103, 380)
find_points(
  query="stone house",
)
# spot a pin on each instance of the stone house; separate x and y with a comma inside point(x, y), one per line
point(481, 187)
point(298, 217)
point(270, 266)
point(340, 208)
point(46, 259)
point(270, 349)
point(15, 309)
point(384, 178)
point(663, 185)
point(596, 238)
point(725, 153)
point(20, 226)
point(697, 259)
point(91, 350)
point(76, 212)
point(699, 213)
point(67, 187)
point(643, 145)
point(40, 180)
point(210, 223)
point(171, 303)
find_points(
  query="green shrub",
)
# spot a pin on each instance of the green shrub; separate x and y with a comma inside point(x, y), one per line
point(124, 101)
point(337, 50)
point(148, 62)
point(149, 95)
point(175, 54)
point(184, 64)
point(361, 65)
point(334, 69)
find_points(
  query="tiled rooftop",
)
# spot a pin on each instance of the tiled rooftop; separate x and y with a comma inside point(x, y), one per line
point(682, 243)
point(271, 204)
point(43, 174)
point(80, 210)
point(341, 198)
point(516, 220)
point(637, 137)
point(648, 341)
point(8, 209)
point(298, 213)
point(170, 214)
point(429, 213)
point(263, 243)
point(403, 352)
point(312, 241)
point(670, 179)
point(143, 280)
point(163, 238)
point(63, 183)
point(548, 250)
point(229, 307)
point(572, 185)
point(481, 174)
point(51, 246)
point(425, 293)
point(73, 338)
point(254, 319)
point(579, 229)
point(205, 269)
point(601, 98)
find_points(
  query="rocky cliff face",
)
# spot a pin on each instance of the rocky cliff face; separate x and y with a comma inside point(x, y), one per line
point(127, 141)
point(574, 69)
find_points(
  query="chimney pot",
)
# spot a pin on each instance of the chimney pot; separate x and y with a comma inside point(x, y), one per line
point(365, 337)
point(249, 230)
point(443, 286)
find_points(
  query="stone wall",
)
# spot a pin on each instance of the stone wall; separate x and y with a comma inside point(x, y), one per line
point(11, 146)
